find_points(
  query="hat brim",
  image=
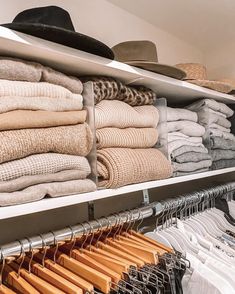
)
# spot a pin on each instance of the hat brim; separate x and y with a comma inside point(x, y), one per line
point(63, 37)
point(163, 69)
point(213, 85)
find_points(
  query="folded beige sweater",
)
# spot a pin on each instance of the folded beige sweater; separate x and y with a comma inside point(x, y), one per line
point(56, 189)
point(122, 166)
point(39, 164)
point(74, 140)
point(27, 181)
point(118, 114)
point(40, 103)
point(129, 138)
point(28, 119)
point(21, 70)
point(28, 89)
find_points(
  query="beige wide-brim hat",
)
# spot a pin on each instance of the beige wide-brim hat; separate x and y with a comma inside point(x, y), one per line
point(197, 75)
point(143, 54)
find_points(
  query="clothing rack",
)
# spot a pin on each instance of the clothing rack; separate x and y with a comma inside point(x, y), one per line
point(153, 209)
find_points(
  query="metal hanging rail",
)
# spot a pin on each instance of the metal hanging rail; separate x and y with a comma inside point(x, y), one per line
point(153, 209)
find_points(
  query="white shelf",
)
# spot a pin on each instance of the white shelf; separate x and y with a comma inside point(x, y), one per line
point(52, 203)
point(81, 63)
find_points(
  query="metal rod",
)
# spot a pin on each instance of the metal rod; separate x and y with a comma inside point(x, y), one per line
point(153, 209)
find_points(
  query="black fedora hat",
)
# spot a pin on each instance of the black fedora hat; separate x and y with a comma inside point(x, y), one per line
point(54, 24)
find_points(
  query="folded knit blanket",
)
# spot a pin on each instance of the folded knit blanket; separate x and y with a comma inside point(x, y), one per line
point(220, 143)
point(174, 145)
point(181, 174)
point(21, 70)
point(178, 136)
point(110, 89)
point(212, 104)
point(186, 127)
point(118, 114)
point(223, 163)
point(27, 119)
point(221, 134)
point(40, 103)
point(122, 166)
point(28, 89)
point(215, 126)
point(207, 119)
point(218, 154)
point(74, 140)
point(39, 164)
point(174, 114)
point(129, 138)
point(191, 166)
point(192, 157)
point(185, 148)
point(38, 192)
point(27, 181)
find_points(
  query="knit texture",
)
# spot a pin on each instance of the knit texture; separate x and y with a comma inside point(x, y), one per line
point(27, 119)
point(181, 174)
point(192, 157)
point(223, 163)
point(223, 135)
point(121, 115)
point(122, 166)
point(191, 166)
point(186, 127)
point(21, 70)
point(215, 126)
point(219, 154)
point(38, 164)
point(206, 118)
point(110, 89)
point(172, 146)
point(129, 138)
point(212, 104)
point(74, 140)
point(28, 89)
point(179, 136)
point(26, 181)
point(40, 103)
point(174, 114)
point(220, 143)
point(184, 149)
point(55, 189)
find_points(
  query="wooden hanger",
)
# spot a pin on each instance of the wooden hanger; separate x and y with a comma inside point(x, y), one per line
point(39, 284)
point(17, 282)
point(99, 280)
point(5, 290)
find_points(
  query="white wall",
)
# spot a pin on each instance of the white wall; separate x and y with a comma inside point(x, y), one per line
point(110, 24)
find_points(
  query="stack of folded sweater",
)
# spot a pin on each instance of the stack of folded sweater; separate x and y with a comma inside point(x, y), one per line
point(214, 116)
point(126, 134)
point(185, 148)
point(43, 132)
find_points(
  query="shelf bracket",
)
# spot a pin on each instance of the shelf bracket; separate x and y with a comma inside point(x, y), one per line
point(146, 200)
point(91, 210)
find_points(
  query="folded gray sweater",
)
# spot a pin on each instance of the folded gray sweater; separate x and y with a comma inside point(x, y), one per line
point(181, 174)
point(223, 163)
point(191, 166)
point(220, 143)
point(186, 127)
point(192, 157)
point(185, 149)
point(218, 154)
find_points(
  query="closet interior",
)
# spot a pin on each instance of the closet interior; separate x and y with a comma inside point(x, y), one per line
point(117, 155)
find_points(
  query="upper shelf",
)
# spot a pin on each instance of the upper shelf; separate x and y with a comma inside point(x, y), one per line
point(77, 62)
point(53, 203)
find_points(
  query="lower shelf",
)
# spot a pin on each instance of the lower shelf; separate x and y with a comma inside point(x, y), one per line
point(52, 203)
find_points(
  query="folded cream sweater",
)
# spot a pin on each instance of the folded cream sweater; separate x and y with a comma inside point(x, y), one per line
point(123, 166)
point(174, 114)
point(129, 137)
point(39, 164)
point(118, 114)
point(27, 119)
point(74, 140)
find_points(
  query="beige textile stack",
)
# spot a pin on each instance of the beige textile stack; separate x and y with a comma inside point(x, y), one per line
point(126, 137)
point(44, 135)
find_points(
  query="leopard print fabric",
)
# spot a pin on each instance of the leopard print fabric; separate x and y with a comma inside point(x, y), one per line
point(111, 89)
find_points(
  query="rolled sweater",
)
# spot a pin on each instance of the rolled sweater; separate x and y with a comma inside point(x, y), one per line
point(121, 115)
point(73, 140)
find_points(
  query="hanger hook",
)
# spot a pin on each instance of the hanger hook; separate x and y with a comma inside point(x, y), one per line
point(100, 232)
point(31, 251)
point(56, 244)
point(141, 215)
point(44, 250)
point(85, 235)
point(72, 241)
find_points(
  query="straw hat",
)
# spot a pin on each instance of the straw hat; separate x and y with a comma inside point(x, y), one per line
point(196, 73)
point(143, 54)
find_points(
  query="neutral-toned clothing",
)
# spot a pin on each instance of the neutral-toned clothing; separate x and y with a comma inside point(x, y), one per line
point(9, 103)
point(185, 148)
point(182, 143)
point(174, 137)
point(73, 140)
point(223, 163)
point(220, 143)
point(38, 164)
point(175, 114)
point(218, 127)
point(181, 173)
point(191, 166)
point(192, 157)
point(122, 166)
point(206, 118)
point(118, 114)
point(129, 137)
point(221, 134)
point(219, 154)
point(26, 181)
point(21, 70)
point(186, 127)
point(27, 119)
point(55, 189)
